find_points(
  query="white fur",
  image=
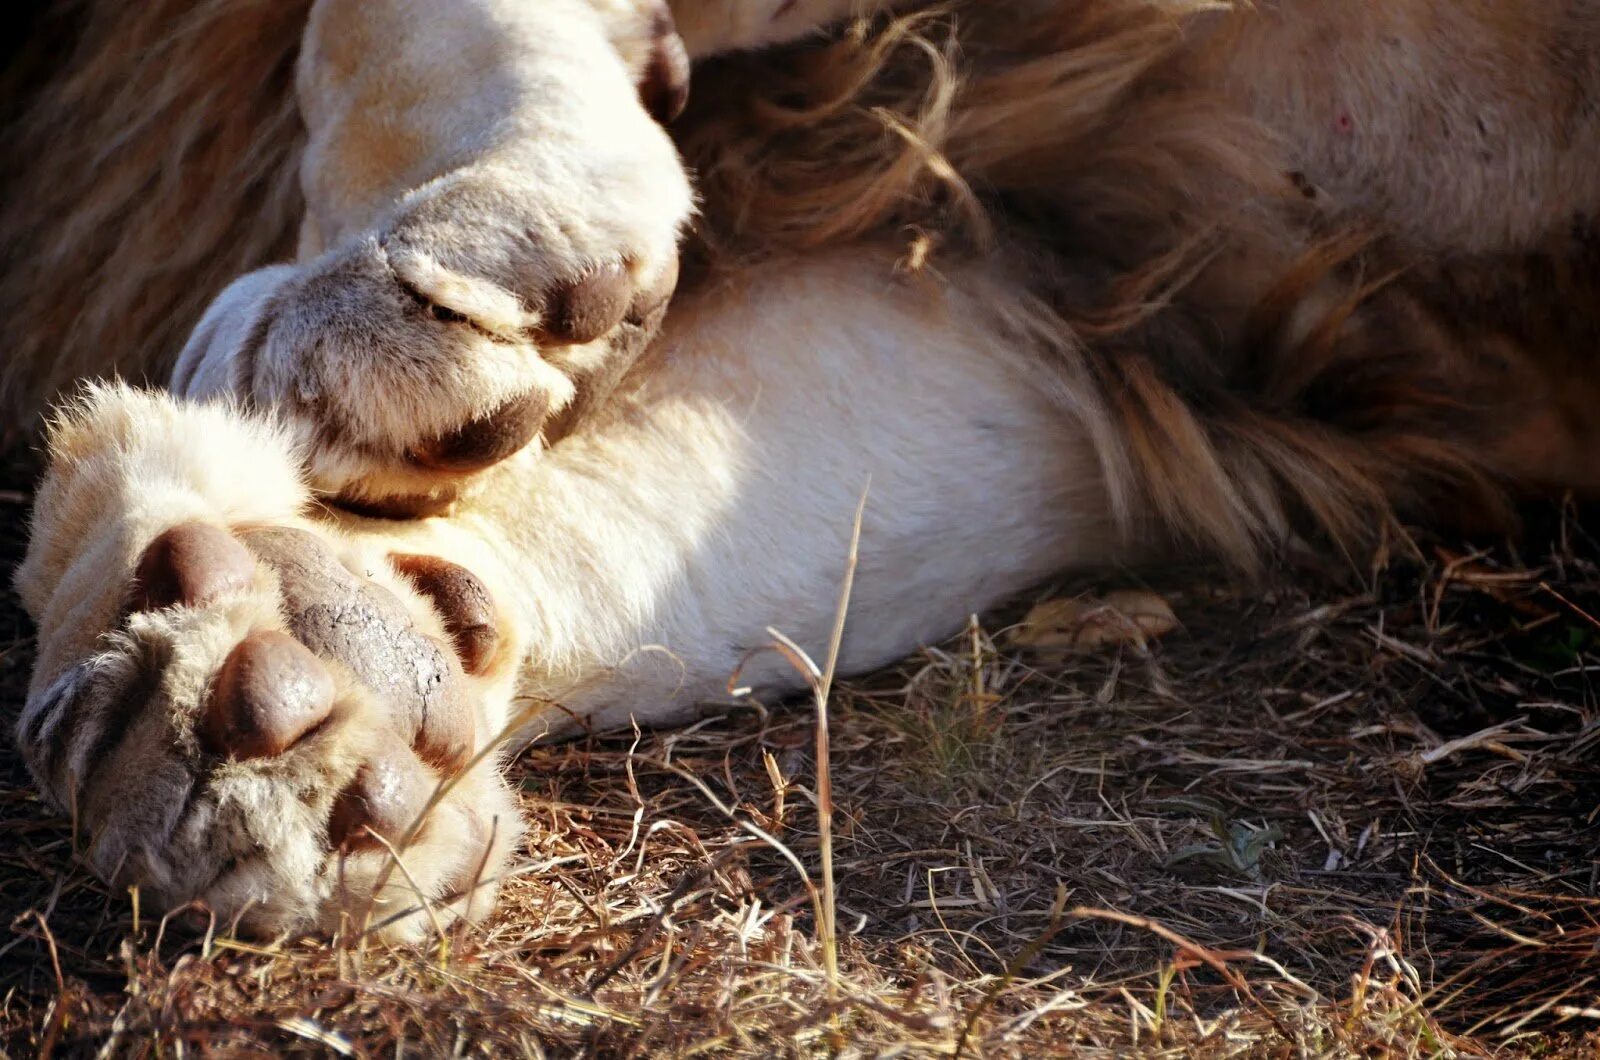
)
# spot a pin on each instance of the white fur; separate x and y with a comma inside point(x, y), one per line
point(648, 555)
point(498, 150)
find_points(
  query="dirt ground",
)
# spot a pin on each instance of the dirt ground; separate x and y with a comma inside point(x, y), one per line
point(1342, 813)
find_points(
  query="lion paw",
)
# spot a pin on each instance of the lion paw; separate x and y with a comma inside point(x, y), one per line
point(444, 317)
point(284, 740)
point(446, 342)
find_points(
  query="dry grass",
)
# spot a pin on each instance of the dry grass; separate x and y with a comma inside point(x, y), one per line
point(1347, 820)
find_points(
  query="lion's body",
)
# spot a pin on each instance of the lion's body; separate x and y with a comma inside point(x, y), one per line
point(1067, 282)
point(161, 161)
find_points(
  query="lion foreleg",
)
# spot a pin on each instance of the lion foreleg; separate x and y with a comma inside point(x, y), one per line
point(645, 558)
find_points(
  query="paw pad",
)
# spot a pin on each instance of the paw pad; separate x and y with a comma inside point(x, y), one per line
point(386, 797)
point(589, 307)
point(365, 627)
point(463, 603)
point(485, 441)
point(192, 564)
point(270, 692)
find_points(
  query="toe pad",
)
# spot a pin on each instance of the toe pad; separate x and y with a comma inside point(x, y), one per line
point(269, 693)
point(192, 564)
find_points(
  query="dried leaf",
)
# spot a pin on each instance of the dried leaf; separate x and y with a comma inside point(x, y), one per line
point(1092, 623)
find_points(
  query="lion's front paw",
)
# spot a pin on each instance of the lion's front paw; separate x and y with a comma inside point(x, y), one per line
point(488, 242)
point(488, 312)
point(282, 739)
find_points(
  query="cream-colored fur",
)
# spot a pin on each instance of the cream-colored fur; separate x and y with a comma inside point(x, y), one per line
point(469, 156)
point(639, 562)
point(464, 171)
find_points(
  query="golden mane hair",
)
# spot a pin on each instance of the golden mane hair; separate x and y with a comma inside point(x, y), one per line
point(1245, 366)
point(152, 165)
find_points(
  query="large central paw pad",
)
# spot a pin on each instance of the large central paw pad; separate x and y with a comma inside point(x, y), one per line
point(366, 627)
point(284, 739)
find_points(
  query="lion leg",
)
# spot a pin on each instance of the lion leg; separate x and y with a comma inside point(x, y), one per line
point(490, 238)
point(644, 559)
point(490, 235)
point(232, 697)
point(241, 707)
